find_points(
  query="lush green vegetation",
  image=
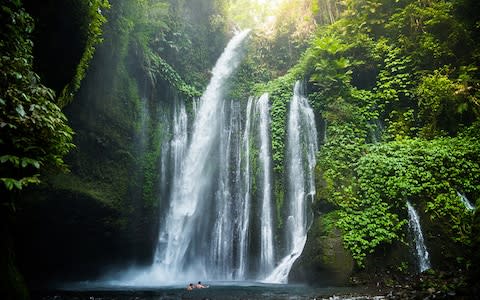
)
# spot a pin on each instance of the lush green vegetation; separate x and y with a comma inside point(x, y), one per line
point(35, 134)
point(65, 36)
point(397, 83)
point(95, 21)
point(281, 33)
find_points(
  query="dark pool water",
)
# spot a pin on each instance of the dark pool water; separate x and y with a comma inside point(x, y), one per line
point(223, 291)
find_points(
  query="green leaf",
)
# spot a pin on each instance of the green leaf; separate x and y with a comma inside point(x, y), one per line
point(20, 110)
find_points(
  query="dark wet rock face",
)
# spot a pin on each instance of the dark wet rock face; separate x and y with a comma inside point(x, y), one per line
point(324, 261)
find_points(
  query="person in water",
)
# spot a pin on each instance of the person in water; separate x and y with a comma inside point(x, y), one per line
point(200, 285)
point(190, 287)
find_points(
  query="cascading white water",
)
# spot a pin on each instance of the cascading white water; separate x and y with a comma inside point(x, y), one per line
point(243, 212)
point(465, 201)
point(184, 236)
point(266, 219)
point(226, 200)
point(302, 147)
point(421, 250)
point(206, 228)
point(178, 144)
point(173, 153)
point(221, 243)
point(164, 165)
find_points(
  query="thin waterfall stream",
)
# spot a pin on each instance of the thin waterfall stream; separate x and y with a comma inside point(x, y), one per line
point(302, 147)
point(468, 205)
point(243, 210)
point(421, 250)
point(266, 219)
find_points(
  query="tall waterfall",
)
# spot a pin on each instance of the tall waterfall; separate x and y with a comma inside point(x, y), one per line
point(266, 219)
point(185, 234)
point(217, 219)
point(421, 249)
point(302, 147)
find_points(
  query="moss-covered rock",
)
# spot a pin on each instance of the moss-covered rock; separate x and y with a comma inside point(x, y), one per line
point(65, 36)
point(324, 259)
point(104, 213)
point(71, 233)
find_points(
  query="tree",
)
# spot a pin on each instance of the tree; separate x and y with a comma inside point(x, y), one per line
point(34, 131)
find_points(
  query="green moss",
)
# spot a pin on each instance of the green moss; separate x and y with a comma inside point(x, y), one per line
point(94, 37)
point(107, 194)
point(325, 256)
point(279, 192)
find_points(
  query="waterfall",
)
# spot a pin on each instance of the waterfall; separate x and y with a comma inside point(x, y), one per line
point(301, 149)
point(242, 220)
point(216, 174)
point(226, 196)
point(421, 249)
point(266, 218)
point(172, 158)
point(468, 205)
point(178, 144)
point(173, 152)
point(376, 129)
point(185, 235)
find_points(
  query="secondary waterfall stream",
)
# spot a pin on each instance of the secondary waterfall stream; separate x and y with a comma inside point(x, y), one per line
point(468, 205)
point(301, 151)
point(421, 250)
point(266, 219)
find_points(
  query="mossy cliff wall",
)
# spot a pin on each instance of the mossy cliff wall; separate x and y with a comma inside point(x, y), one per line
point(103, 213)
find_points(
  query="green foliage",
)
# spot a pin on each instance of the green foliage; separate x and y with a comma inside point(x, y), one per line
point(367, 224)
point(168, 44)
point(430, 32)
point(436, 96)
point(280, 93)
point(384, 175)
point(274, 46)
point(395, 68)
point(414, 169)
point(156, 66)
point(335, 161)
point(94, 37)
point(193, 39)
point(332, 70)
point(394, 81)
point(448, 209)
point(150, 165)
point(35, 134)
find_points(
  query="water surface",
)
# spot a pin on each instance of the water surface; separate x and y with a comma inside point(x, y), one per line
point(216, 290)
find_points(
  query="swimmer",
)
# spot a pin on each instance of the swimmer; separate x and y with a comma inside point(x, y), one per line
point(190, 287)
point(200, 285)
